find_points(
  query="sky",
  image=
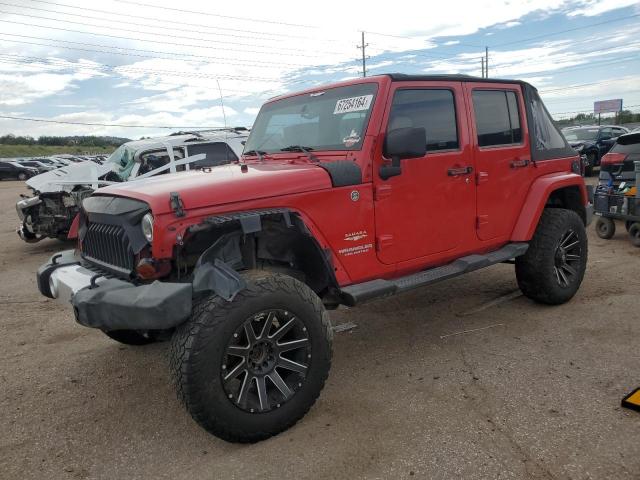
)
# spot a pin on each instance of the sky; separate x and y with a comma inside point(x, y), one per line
point(133, 67)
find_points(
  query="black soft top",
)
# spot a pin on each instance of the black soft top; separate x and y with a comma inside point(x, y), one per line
point(546, 142)
point(447, 77)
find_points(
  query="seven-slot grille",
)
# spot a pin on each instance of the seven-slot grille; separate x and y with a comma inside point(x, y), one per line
point(108, 245)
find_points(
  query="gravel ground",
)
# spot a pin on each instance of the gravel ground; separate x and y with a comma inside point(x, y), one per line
point(528, 392)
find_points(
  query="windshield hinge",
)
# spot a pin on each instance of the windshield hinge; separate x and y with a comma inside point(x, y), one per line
point(176, 204)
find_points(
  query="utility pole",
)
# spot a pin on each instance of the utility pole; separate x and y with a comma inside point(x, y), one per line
point(363, 46)
point(482, 62)
point(486, 62)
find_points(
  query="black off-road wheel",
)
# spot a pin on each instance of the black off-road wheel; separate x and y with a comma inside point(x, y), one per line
point(134, 337)
point(634, 234)
point(553, 268)
point(605, 228)
point(250, 368)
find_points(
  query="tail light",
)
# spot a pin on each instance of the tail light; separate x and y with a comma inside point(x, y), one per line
point(613, 158)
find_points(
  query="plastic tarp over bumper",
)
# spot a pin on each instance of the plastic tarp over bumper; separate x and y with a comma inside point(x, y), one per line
point(119, 305)
point(112, 304)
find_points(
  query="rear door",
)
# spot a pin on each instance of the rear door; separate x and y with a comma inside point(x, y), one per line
point(502, 156)
point(427, 211)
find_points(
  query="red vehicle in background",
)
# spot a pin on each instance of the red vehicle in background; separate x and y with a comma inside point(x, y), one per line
point(345, 193)
point(617, 196)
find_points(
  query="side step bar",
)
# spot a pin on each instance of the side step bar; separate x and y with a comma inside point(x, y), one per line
point(362, 292)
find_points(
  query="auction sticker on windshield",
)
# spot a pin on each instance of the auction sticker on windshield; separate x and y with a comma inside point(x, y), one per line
point(353, 104)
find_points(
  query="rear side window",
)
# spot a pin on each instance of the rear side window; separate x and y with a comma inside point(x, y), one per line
point(217, 153)
point(432, 109)
point(497, 117)
point(627, 144)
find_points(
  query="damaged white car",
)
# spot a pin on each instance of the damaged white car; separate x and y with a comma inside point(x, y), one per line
point(57, 195)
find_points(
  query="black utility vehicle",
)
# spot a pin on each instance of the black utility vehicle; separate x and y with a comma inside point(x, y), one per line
point(593, 142)
point(10, 170)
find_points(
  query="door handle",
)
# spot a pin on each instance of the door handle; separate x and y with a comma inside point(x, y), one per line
point(454, 172)
point(519, 163)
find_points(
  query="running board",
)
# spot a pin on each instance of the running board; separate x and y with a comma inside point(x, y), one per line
point(362, 292)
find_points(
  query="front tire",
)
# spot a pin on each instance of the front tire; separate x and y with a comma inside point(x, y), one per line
point(591, 159)
point(553, 268)
point(251, 368)
point(22, 176)
point(605, 228)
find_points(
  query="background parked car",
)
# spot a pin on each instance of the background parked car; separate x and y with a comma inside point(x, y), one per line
point(593, 142)
point(58, 194)
point(10, 170)
point(617, 165)
point(40, 166)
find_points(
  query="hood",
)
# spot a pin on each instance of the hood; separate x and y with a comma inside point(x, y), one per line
point(64, 179)
point(223, 184)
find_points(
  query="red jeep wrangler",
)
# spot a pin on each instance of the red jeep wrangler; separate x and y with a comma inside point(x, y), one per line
point(345, 193)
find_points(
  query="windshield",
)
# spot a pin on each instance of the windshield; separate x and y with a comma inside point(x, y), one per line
point(122, 161)
point(581, 134)
point(333, 119)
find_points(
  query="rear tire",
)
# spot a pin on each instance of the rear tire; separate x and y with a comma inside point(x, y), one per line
point(634, 234)
point(553, 268)
point(238, 383)
point(133, 337)
point(605, 228)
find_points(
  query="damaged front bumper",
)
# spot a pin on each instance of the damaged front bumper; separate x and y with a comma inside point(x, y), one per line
point(110, 303)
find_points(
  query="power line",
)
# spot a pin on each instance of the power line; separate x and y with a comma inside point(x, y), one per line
point(130, 15)
point(217, 59)
point(244, 19)
point(522, 40)
point(125, 68)
point(146, 25)
point(95, 124)
point(164, 35)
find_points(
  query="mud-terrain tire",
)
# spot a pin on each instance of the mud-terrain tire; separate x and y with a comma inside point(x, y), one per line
point(605, 228)
point(220, 363)
point(634, 234)
point(133, 337)
point(553, 268)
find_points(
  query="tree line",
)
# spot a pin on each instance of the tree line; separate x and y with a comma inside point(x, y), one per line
point(69, 141)
point(625, 116)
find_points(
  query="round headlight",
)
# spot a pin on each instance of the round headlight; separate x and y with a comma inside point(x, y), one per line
point(147, 226)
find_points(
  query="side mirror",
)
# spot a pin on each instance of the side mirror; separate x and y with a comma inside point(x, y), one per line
point(400, 144)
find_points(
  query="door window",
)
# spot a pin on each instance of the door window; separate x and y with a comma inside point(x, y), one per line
point(606, 134)
point(432, 109)
point(217, 153)
point(497, 117)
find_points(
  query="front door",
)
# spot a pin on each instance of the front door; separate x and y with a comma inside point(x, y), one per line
point(502, 156)
point(428, 211)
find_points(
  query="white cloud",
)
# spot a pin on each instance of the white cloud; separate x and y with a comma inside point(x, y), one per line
point(590, 8)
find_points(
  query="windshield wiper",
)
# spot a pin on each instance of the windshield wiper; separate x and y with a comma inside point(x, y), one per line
point(257, 153)
point(300, 148)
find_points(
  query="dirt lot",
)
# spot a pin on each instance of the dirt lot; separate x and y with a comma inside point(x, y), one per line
point(529, 392)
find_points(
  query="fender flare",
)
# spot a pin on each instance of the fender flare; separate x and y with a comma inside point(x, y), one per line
point(539, 192)
point(216, 271)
